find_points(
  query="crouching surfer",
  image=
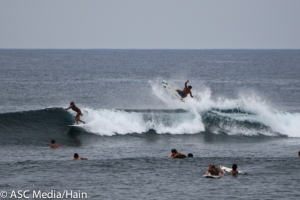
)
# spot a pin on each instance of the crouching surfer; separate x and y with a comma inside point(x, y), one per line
point(77, 110)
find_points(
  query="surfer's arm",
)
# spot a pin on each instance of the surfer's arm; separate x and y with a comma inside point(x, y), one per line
point(67, 108)
point(185, 85)
point(191, 94)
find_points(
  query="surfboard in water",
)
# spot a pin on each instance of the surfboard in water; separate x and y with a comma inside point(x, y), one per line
point(180, 156)
point(211, 176)
point(227, 169)
point(77, 125)
point(171, 91)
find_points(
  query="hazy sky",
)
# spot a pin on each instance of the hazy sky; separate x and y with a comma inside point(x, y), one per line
point(150, 24)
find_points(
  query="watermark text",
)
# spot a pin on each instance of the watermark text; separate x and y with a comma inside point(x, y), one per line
point(39, 194)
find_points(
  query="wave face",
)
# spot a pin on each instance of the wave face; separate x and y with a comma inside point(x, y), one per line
point(36, 127)
point(247, 115)
point(222, 118)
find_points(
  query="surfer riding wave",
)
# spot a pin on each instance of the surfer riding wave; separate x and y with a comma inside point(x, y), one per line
point(77, 110)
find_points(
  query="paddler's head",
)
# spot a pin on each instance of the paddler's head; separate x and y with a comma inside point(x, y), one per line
point(234, 166)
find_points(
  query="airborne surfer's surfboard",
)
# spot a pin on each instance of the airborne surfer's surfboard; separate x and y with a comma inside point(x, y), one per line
point(227, 169)
point(171, 91)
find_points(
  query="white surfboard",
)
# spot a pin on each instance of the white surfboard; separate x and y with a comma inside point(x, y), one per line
point(76, 125)
point(171, 91)
point(211, 176)
point(227, 169)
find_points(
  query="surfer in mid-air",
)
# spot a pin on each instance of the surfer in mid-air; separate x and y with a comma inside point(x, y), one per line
point(185, 91)
point(76, 109)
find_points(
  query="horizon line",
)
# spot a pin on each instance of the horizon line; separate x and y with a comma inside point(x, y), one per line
point(148, 49)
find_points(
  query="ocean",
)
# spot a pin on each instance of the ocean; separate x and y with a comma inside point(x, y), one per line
point(245, 110)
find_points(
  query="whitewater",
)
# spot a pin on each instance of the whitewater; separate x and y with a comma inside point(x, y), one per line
point(247, 115)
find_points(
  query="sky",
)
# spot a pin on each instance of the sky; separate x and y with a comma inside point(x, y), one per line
point(150, 24)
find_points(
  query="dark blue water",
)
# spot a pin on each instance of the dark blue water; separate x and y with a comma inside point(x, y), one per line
point(245, 111)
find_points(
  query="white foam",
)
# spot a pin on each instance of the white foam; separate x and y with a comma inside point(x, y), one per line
point(256, 108)
point(110, 122)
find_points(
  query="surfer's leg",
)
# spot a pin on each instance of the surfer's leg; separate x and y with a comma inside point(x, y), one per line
point(180, 93)
point(77, 118)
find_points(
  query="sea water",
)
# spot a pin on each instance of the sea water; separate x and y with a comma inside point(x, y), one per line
point(245, 110)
